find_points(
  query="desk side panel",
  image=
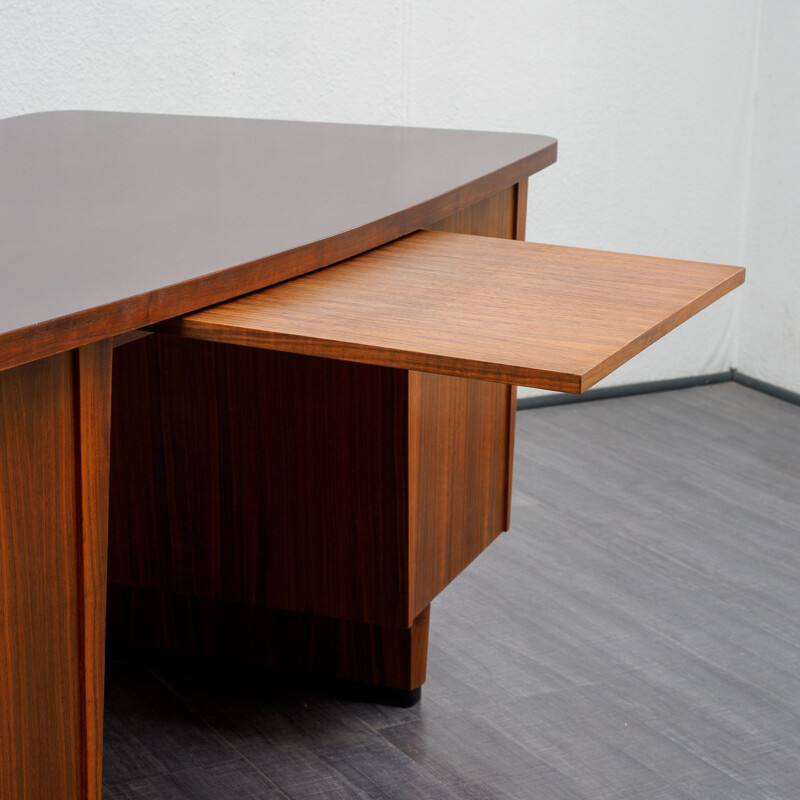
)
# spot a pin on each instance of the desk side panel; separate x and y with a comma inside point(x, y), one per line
point(260, 478)
point(495, 216)
point(458, 457)
point(53, 482)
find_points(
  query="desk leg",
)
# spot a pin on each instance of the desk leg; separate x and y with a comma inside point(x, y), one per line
point(54, 438)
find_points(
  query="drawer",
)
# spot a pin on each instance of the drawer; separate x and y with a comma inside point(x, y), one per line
point(514, 312)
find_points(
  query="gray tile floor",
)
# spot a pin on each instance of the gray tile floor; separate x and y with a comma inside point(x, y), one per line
point(635, 635)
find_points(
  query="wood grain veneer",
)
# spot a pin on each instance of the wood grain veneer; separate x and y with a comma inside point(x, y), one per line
point(92, 379)
point(458, 471)
point(258, 477)
point(495, 216)
point(232, 480)
point(54, 419)
point(540, 315)
point(128, 219)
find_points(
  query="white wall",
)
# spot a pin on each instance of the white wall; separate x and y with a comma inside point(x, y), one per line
point(770, 318)
point(651, 100)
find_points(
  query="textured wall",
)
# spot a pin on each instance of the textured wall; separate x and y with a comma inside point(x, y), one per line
point(769, 327)
point(650, 100)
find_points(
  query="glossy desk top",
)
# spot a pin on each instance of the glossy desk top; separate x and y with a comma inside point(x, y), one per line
point(112, 221)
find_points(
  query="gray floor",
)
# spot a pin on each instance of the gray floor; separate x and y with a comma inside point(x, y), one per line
point(635, 635)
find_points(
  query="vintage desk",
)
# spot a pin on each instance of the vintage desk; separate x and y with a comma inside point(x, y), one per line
point(295, 474)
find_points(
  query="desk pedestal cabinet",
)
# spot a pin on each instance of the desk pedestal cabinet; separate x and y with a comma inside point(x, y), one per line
point(299, 511)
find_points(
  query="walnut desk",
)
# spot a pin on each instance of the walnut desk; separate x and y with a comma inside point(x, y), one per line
point(293, 475)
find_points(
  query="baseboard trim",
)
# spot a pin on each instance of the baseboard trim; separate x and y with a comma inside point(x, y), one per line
point(638, 388)
point(766, 388)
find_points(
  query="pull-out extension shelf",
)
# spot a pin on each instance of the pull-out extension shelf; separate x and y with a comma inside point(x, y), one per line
point(493, 309)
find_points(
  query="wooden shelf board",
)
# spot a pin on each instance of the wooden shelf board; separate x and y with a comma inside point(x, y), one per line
point(515, 312)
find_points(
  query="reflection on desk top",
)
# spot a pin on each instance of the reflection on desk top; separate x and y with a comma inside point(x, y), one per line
point(112, 221)
point(493, 309)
